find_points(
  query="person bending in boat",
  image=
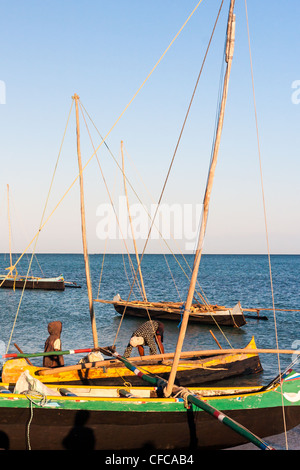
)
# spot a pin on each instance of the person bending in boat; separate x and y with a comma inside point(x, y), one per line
point(147, 334)
point(53, 343)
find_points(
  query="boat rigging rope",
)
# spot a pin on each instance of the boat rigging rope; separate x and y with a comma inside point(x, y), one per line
point(264, 208)
point(43, 401)
point(139, 199)
point(126, 274)
point(183, 393)
point(105, 183)
point(111, 129)
point(135, 280)
point(174, 154)
point(110, 197)
point(23, 229)
point(201, 294)
point(106, 240)
point(37, 236)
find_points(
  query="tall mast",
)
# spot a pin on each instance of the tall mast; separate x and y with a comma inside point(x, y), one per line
point(83, 229)
point(130, 220)
point(9, 228)
point(228, 58)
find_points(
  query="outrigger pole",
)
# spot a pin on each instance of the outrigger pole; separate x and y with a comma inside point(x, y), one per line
point(195, 400)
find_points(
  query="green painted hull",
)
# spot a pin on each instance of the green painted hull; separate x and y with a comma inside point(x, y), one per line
point(130, 424)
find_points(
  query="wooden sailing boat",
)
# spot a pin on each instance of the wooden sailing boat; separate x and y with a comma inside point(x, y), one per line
point(13, 280)
point(32, 282)
point(202, 313)
point(193, 370)
point(129, 419)
point(161, 416)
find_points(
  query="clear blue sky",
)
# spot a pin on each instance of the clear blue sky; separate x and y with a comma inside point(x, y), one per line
point(103, 51)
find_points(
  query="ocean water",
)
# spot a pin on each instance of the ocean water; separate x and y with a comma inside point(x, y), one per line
point(225, 280)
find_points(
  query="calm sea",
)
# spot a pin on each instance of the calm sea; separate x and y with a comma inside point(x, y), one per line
point(225, 280)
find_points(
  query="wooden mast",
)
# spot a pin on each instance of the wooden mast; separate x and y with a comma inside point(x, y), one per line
point(9, 228)
point(83, 229)
point(228, 58)
point(130, 220)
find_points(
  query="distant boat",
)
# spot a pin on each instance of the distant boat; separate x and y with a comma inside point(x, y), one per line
point(199, 313)
point(31, 282)
point(13, 280)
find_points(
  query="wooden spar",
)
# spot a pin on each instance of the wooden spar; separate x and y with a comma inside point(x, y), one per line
point(228, 58)
point(158, 357)
point(49, 353)
point(271, 309)
point(20, 351)
point(130, 220)
point(215, 339)
point(232, 424)
point(9, 227)
point(83, 228)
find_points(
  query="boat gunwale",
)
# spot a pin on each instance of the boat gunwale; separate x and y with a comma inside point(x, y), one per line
point(241, 392)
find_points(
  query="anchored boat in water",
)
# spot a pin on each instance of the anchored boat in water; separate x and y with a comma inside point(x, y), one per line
point(31, 282)
point(13, 280)
point(199, 313)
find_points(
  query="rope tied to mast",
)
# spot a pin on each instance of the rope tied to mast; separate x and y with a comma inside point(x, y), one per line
point(183, 393)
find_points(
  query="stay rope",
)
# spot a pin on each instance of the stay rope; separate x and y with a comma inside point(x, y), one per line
point(201, 294)
point(104, 180)
point(265, 213)
point(104, 251)
point(37, 236)
point(141, 202)
point(173, 157)
point(111, 129)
